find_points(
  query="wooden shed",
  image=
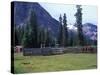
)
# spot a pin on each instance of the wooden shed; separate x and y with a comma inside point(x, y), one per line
point(18, 49)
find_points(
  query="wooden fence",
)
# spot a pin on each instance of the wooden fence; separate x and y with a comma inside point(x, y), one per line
point(53, 51)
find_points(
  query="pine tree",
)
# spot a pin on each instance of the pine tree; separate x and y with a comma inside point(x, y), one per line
point(33, 29)
point(65, 31)
point(78, 16)
point(48, 38)
point(26, 37)
point(42, 37)
point(20, 31)
point(71, 39)
point(30, 35)
point(60, 37)
point(16, 41)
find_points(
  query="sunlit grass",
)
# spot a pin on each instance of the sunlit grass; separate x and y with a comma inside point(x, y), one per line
point(64, 62)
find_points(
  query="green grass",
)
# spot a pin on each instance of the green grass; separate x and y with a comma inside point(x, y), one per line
point(64, 62)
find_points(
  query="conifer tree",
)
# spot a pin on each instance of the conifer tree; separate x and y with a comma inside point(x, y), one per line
point(65, 32)
point(60, 37)
point(16, 41)
point(48, 38)
point(26, 37)
point(30, 35)
point(78, 16)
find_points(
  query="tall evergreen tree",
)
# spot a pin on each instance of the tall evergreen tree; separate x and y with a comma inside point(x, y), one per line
point(20, 32)
point(40, 36)
point(71, 38)
point(31, 34)
point(33, 30)
point(65, 31)
point(26, 37)
point(78, 16)
point(16, 41)
point(48, 38)
point(60, 37)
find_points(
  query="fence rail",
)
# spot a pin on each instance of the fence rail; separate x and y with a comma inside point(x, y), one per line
point(51, 51)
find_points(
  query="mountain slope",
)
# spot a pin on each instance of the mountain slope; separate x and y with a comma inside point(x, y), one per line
point(44, 19)
point(90, 30)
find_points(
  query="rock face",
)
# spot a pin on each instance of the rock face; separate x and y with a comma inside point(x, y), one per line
point(44, 19)
point(90, 30)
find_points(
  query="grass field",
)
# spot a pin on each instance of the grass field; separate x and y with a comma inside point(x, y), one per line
point(64, 62)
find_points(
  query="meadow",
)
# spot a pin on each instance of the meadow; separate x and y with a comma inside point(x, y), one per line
point(63, 62)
